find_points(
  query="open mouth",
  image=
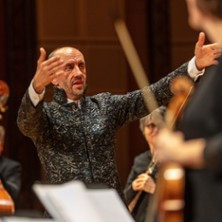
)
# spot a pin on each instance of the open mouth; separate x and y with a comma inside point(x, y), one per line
point(78, 83)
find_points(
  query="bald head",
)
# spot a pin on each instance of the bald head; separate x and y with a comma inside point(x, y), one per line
point(65, 50)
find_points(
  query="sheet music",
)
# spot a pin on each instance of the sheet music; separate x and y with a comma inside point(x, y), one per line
point(24, 219)
point(109, 205)
point(42, 193)
point(73, 202)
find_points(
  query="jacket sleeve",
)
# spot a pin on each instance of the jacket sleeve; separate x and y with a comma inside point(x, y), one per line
point(31, 120)
point(161, 89)
point(131, 106)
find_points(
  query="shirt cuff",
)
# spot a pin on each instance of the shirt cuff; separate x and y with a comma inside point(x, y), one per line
point(193, 72)
point(34, 96)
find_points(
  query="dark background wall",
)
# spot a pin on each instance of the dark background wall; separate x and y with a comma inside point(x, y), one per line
point(158, 28)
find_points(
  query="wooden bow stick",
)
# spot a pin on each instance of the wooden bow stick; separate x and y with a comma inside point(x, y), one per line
point(141, 79)
point(134, 62)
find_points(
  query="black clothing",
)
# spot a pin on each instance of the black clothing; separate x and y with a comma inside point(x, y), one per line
point(203, 119)
point(141, 162)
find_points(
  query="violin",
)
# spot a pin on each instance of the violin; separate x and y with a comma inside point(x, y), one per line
point(151, 171)
point(169, 200)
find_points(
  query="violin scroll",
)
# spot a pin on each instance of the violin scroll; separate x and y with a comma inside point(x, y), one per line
point(4, 95)
point(182, 88)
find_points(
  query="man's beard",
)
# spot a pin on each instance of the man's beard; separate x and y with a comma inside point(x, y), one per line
point(81, 93)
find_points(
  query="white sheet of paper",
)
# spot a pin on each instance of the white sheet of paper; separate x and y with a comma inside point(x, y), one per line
point(42, 192)
point(73, 202)
point(109, 205)
point(25, 219)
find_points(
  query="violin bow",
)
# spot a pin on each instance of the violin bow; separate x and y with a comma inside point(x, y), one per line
point(150, 101)
point(134, 62)
point(140, 77)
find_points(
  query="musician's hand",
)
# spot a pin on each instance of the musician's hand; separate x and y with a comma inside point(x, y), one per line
point(206, 55)
point(144, 182)
point(47, 71)
point(168, 146)
point(171, 147)
point(149, 185)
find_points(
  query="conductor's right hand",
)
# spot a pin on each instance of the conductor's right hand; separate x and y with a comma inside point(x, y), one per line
point(47, 71)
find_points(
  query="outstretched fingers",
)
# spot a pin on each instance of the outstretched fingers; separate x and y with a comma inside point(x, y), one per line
point(42, 55)
point(201, 40)
point(46, 70)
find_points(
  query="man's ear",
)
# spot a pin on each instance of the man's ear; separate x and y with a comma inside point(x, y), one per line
point(55, 83)
point(58, 79)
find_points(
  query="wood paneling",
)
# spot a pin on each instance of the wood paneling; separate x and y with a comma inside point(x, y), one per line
point(106, 69)
point(2, 42)
point(183, 38)
point(20, 62)
point(58, 20)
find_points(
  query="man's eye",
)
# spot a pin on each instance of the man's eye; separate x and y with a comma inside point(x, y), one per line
point(68, 67)
point(81, 65)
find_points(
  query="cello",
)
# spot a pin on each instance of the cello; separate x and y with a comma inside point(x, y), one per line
point(7, 205)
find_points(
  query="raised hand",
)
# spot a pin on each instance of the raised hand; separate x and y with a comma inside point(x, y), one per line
point(46, 71)
point(206, 55)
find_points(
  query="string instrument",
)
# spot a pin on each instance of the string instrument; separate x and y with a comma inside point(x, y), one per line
point(7, 205)
point(170, 186)
point(151, 171)
point(4, 95)
point(168, 202)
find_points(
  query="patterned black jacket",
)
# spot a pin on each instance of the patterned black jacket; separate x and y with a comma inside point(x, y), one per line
point(77, 142)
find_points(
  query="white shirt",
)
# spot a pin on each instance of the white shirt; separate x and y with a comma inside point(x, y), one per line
point(193, 72)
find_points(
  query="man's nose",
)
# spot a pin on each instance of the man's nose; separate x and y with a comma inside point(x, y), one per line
point(77, 71)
